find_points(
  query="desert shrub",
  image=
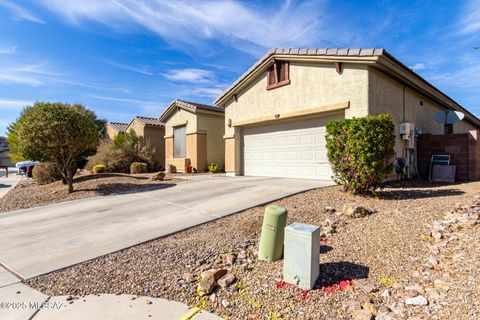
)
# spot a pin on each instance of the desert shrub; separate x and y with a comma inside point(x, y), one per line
point(118, 154)
point(46, 172)
point(361, 151)
point(99, 168)
point(138, 167)
point(213, 167)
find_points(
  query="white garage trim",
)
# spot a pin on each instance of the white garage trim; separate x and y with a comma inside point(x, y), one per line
point(293, 149)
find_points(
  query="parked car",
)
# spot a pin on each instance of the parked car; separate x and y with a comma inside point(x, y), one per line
point(25, 167)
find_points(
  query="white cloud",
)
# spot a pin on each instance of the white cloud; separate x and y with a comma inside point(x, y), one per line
point(143, 71)
point(418, 66)
point(31, 74)
point(190, 75)
point(471, 18)
point(13, 105)
point(193, 22)
point(20, 12)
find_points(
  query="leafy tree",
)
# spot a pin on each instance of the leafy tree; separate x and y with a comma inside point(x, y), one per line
point(361, 151)
point(57, 132)
point(12, 139)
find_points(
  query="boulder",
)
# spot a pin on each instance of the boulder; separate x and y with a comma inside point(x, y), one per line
point(354, 211)
point(226, 280)
point(216, 274)
point(206, 286)
point(159, 176)
point(170, 169)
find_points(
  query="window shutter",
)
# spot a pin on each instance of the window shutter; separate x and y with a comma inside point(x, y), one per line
point(271, 76)
point(282, 71)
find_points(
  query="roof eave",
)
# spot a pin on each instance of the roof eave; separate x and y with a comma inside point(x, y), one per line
point(267, 60)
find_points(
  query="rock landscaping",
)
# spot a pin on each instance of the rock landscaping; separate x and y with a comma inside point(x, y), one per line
point(28, 194)
point(411, 253)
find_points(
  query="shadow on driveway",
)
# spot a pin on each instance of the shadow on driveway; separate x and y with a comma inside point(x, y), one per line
point(125, 188)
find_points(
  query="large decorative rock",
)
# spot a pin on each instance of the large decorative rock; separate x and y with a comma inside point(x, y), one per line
point(216, 274)
point(354, 211)
point(226, 280)
point(206, 286)
point(159, 176)
point(169, 168)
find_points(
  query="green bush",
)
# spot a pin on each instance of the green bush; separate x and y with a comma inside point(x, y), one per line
point(46, 172)
point(213, 167)
point(99, 168)
point(138, 167)
point(118, 154)
point(361, 152)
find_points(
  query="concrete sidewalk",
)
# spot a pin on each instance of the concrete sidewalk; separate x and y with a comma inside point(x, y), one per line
point(44, 239)
point(7, 183)
point(20, 302)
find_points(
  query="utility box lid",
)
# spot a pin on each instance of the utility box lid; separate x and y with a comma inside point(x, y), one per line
point(304, 228)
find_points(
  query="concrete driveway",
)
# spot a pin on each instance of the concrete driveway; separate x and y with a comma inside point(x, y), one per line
point(40, 240)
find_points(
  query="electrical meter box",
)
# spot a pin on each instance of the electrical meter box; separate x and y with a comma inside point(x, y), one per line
point(302, 255)
point(273, 229)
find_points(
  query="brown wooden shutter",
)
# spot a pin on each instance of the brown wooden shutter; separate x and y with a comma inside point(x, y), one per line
point(282, 71)
point(271, 76)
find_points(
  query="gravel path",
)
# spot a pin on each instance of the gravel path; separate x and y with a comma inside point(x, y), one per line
point(379, 252)
point(29, 194)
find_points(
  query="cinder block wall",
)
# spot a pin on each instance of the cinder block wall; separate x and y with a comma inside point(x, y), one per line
point(462, 148)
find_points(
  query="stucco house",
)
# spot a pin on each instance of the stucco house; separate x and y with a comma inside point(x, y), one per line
point(276, 112)
point(193, 135)
point(153, 130)
point(114, 128)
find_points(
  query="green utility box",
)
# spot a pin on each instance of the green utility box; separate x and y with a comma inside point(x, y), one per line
point(273, 230)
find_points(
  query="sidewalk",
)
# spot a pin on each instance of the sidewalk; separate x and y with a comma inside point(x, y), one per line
point(7, 183)
point(20, 302)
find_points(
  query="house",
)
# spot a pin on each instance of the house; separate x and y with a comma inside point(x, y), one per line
point(153, 131)
point(114, 128)
point(193, 135)
point(276, 112)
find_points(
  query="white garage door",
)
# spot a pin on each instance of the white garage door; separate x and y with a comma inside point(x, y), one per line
point(294, 149)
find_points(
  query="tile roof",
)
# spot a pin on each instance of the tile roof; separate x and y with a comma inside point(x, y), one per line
point(119, 126)
point(147, 121)
point(194, 106)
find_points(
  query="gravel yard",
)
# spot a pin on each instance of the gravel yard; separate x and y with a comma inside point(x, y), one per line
point(368, 265)
point(27, 193)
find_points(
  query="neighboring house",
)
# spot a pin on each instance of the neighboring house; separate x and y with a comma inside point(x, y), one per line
point(275, 113)
point(193, 135)
point(114, 128)
point(4, 159)
point(153, 130)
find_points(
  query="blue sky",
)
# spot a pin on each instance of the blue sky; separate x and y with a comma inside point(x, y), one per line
point(124, 57)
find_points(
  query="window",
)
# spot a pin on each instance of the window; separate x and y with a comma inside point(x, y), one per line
point(448, 128)
point(179, 142)
point(278, 74)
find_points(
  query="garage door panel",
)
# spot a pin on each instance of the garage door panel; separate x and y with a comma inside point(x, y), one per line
point(294, 149)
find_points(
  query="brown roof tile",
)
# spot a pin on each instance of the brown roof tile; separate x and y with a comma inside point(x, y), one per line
point(149, 121)
point(119, 126)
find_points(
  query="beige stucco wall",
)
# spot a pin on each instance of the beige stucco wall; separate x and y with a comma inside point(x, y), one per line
point(204, 137)
point(312, 85)
point(181, 117)
point(153, 134)
point(213, 125)
point(386, 96)
point(111, 131)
